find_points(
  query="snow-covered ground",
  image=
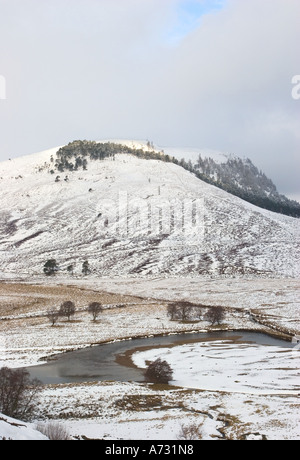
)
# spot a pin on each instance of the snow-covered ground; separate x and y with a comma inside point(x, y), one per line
point(238, 256)
point(11, 429)
point(28, 337)
point(135, 217)
point(111, 410)
point(231, 367)
point(231, 391)
point(115, 411)
point(274, 302)
point(26, 334)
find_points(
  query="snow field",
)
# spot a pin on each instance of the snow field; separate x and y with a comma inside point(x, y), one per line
point(245, 389)
point(230, 367)
point(112, 411)
point(115, 410)
point(11, 429)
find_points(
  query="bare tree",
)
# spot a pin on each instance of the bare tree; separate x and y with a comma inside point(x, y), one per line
point(67, 309)
point(178, 311)
point(198, 311)
point(159, 372)
point(215, 315)
point(184, 311)
point(53, 316)
point(18, 393)
point(190, 432)
point(95, 308)
point(172, 310)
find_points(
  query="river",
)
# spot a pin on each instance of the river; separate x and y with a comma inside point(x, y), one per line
point(111, 361)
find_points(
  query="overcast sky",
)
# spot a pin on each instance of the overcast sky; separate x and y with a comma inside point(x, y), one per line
point(188, 73)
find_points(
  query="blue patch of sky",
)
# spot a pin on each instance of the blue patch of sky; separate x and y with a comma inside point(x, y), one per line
point(189, 14)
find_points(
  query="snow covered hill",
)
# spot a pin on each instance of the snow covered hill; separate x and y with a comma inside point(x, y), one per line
point(132, 216)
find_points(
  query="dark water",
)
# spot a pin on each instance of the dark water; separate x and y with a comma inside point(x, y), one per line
point(98, 363)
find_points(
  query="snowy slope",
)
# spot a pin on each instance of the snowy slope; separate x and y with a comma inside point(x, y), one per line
point(11, 429)
point(130, 216)
point(213, 366)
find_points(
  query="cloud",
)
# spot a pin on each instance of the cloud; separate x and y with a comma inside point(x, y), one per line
point(70, 66)
point(228, 84)
point(180, 72)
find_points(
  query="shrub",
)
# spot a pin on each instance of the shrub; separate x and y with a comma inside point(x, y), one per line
point(86, 268)
point(159, 372)
point(190, 432)
point(18, 393)
point(54, 431)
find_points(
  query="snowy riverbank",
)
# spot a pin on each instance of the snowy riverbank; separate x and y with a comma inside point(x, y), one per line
point(257, 393)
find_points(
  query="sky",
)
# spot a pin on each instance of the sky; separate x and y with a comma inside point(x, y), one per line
point(213, 74)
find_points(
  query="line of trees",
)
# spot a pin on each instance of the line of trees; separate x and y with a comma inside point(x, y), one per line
point(74, 156)
point(51, 267)
point(68, 310)
point(187, 311)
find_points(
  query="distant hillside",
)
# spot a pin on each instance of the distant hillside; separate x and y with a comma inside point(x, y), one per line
point(238, 176)
point(243, 179)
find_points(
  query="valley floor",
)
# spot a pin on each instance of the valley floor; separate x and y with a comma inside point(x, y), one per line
point(137, 308)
